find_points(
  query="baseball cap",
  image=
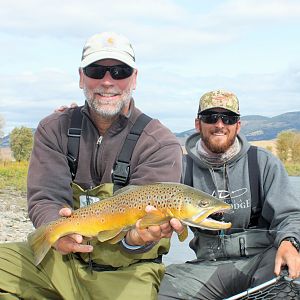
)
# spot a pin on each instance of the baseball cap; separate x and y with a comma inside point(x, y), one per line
point(107, 45)
point(219, 99)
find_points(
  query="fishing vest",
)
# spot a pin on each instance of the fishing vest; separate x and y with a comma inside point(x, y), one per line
point(106, 256)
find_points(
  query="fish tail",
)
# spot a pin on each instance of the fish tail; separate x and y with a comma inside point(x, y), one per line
point(39, 243)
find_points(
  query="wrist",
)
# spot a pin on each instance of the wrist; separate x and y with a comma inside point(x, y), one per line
point(132, 238)
point(295, 243)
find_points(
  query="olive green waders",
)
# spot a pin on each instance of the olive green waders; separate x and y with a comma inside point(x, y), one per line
point(127, 276)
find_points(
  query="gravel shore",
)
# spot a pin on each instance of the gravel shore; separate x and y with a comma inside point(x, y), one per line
point(14, 222)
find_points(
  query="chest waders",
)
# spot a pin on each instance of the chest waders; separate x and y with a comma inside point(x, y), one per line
point(212, 246)
point(105, 256)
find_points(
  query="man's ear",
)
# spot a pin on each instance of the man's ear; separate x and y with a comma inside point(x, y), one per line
point(197, 125)
point(134, 79)
point(80, 78)
point(239, 125)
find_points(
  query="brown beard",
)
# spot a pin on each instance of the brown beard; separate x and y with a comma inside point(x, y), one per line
point(218, 148)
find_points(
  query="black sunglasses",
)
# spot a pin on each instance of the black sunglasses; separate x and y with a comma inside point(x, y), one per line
point(214, 117)
point(117, 72)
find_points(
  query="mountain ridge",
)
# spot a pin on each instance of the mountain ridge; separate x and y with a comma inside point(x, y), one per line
point(258, 128)
point(254, 127)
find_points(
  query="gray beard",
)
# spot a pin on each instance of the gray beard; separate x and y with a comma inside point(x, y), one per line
point(96, 106)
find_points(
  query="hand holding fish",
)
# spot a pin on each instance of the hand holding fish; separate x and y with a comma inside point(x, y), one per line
point(73, 242)
point(141, 236)
point(130, 213)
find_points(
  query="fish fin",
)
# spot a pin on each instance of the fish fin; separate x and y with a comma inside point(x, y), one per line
point(39, 243)
point(154, 217)
point(107, 235)
point(184, 234)
point(117, 238)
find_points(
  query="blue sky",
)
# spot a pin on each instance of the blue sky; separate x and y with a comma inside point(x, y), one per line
point(183, 49)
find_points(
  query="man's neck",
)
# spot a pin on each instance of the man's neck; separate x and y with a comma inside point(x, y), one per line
point(217, 158)
point(103, 123)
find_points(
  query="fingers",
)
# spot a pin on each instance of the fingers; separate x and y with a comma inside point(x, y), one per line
point(288, 256)
point(177, 225)
point(73, 105)
point(278, 264)
point(72, 243)
point(65, 212)
point(62, 108)
point(140, 235)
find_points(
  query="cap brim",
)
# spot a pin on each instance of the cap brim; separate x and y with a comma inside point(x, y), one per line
point(93, 57)
point(209, 108)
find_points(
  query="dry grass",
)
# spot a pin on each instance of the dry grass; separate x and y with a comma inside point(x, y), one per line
point(266, 144)
point(13, 174)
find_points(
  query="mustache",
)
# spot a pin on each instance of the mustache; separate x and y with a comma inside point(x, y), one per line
point(112, 90)
point(219, 130)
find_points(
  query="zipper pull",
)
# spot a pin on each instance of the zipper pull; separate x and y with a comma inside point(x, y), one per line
point(99, 141)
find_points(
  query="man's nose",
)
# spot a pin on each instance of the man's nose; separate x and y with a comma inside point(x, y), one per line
point(219, 123)
point(107, 79)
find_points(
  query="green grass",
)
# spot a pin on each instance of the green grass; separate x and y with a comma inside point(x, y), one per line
point(13, 175)
point(293, 169)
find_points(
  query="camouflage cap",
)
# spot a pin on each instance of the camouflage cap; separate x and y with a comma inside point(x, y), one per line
point(221, 99)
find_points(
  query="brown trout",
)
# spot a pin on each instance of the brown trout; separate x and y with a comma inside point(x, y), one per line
point(111, 218)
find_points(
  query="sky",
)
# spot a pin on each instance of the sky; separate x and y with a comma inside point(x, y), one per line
point(183, 49)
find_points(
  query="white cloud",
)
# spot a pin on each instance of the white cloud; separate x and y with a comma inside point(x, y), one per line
point(183, 50)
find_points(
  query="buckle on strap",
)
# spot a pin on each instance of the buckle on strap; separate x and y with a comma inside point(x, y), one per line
point(74, 132)
point(120, 174)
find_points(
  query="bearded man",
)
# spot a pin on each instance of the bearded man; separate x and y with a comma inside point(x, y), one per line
point(265, 216)
point(74, 269)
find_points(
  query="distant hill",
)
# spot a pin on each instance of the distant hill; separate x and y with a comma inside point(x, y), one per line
point(258, 128)
point(4, 142)
point(254, 127)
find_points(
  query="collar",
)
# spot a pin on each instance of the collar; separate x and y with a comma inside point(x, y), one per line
point(216, 159)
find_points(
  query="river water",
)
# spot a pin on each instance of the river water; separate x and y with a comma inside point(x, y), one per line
point(180, 252)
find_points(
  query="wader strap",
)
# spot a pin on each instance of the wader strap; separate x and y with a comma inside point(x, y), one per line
point(121, 169)
point(74, 133)
point(254, 179)
point(187, 164)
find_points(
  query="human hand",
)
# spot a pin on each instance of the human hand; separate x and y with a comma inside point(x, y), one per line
point(73, 242)
point(287, 255)
point(64, 107)
point(141, 236)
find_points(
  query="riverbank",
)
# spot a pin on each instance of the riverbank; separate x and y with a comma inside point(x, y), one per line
point(14, 222)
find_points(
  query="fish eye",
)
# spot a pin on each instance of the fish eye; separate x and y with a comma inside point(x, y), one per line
point(203, 203)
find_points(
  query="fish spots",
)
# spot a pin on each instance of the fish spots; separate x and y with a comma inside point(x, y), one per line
point(122, 209)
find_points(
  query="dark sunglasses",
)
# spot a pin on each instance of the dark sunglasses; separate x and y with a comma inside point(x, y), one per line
point(117, 72)
point(214, 117)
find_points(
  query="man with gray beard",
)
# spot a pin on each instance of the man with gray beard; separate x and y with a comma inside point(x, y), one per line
point(75, 269)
